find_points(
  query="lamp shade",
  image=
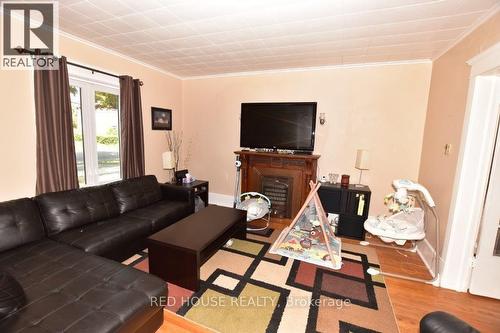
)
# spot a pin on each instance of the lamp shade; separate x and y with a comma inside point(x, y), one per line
point(168, 160)
point(362, 159)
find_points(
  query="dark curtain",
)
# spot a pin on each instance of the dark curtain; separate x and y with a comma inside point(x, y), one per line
point(55, 155)
point(132, 137)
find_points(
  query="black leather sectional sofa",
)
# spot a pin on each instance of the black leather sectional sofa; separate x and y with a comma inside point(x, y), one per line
point(56, 248)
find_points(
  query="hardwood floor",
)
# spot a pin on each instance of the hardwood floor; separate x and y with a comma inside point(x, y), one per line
point(176, 324)
point(396, 260)
point(410, 300)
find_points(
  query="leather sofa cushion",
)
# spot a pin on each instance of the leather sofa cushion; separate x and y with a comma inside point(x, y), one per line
point(105, 236)
point(20, 223)
point(163, 213)
point(11, 294)
point(70, 209)
point(68, 290)
point(136, 193)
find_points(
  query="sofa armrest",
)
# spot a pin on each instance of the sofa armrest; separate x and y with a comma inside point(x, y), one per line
point(177, 193)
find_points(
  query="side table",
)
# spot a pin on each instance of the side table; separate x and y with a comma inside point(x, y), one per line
point(198, 187)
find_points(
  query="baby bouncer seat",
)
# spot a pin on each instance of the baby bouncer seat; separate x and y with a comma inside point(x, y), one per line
point(408, 223)
point(398, 228)
point(258, 206)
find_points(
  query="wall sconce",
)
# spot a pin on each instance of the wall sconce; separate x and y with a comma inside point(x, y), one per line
point(322, 118)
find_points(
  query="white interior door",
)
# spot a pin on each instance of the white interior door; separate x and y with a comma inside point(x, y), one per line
point(485, 278)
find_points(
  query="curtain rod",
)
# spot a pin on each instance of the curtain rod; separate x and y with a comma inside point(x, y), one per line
point(93, 70)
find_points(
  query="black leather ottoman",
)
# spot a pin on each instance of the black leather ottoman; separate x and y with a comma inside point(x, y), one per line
point(442, 322)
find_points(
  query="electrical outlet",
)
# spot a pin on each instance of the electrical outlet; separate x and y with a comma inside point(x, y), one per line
point(447, 149)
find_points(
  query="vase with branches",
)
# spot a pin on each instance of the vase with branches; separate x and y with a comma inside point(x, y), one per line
point(174, 142)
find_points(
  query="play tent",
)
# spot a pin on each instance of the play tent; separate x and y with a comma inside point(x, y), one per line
point(310, 236)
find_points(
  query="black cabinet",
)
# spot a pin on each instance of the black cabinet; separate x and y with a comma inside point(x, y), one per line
point(351, 204)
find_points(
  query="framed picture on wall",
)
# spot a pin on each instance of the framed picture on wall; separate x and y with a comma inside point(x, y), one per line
point(161, 119)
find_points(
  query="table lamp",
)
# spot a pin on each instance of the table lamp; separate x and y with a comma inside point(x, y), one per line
point(362, 163)
point(168, 161)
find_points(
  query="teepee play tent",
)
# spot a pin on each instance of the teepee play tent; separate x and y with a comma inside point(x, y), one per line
point(310, 237)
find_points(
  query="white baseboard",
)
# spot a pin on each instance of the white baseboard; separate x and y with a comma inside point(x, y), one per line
point(427, 253)
point(220, 199)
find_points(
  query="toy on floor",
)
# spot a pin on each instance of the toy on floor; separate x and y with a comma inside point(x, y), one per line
point(310, 237)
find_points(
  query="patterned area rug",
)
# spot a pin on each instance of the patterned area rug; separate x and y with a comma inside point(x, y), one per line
point(247, 289)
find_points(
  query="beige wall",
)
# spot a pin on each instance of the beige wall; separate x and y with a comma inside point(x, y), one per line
point(17, 118)
point(380, 108)
point(445, 116)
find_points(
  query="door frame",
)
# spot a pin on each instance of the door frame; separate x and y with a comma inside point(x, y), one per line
point(471, 180)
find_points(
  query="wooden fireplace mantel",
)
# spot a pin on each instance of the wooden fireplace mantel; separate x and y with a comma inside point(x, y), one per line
point(299, 169)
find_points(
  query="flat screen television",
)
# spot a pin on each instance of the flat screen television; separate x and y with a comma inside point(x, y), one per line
point(278, 125)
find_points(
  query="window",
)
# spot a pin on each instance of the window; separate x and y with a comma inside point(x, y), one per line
point(96, 129)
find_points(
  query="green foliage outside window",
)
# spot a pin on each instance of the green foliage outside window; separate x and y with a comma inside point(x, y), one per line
point(105, 101)
point(107, 140)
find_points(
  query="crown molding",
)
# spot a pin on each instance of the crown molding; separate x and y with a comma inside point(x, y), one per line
point(118, 54)
point(485, 60)
point(471, 29)
point(316, 68)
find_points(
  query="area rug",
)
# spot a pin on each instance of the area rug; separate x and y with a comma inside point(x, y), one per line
point(247, 289)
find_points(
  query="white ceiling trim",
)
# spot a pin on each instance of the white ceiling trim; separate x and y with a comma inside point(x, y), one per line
point(115, 53)
point(471, 29)
point(316, 68)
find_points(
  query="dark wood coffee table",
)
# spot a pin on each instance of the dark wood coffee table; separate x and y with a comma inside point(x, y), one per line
point(177, 252)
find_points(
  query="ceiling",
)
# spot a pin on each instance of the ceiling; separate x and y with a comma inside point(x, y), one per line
point(197, 38)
